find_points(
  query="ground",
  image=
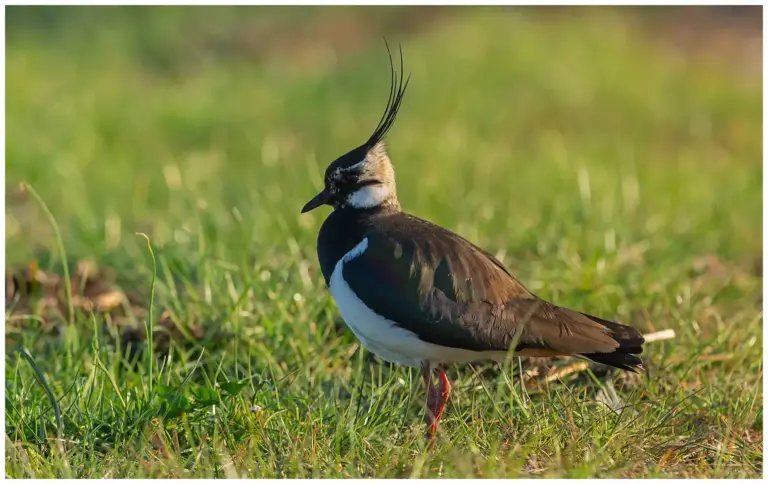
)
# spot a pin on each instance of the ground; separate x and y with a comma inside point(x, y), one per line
point(156, 163)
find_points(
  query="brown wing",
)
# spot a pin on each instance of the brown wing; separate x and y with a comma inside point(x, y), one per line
point(450, 292)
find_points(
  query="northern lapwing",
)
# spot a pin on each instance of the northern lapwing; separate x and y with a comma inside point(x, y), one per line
point(419, 295)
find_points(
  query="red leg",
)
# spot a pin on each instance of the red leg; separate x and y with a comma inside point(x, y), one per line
point(445, 385)
point(437, 396)
point(442, 391)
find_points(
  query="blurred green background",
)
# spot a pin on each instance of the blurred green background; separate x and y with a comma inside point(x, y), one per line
point(104, 104)
point(611, 157)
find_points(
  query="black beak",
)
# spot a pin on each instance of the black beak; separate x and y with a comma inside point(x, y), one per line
point(320, 199)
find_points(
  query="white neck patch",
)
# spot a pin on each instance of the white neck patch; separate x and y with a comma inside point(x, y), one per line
point(369, 196)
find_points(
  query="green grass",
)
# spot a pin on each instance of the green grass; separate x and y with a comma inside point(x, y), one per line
point(610, 173)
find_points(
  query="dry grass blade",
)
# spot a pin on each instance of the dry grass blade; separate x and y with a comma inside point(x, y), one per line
point(659, 335)
point(566, 370)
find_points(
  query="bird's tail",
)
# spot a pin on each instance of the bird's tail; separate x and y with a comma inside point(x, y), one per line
point(624, 356)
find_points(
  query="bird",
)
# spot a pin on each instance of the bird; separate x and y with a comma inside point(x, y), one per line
point(419, 295)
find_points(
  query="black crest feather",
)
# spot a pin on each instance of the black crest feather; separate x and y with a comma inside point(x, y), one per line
point(396, 91)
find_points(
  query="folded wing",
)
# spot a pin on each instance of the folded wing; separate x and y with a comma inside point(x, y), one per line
point(450, 292)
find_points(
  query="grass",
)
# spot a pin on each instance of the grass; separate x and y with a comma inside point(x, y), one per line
point(610, 173)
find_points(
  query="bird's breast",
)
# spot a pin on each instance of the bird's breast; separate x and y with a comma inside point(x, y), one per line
point(340, 233)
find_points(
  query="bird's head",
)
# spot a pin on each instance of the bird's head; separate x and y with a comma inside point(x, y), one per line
point(364, 178)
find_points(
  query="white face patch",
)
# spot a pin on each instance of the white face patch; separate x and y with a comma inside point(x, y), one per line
point(369, 196)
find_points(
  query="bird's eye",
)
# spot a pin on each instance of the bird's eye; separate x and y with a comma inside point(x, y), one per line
point(347, 177)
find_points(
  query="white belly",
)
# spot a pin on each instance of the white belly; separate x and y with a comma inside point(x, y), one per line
point(383, 337)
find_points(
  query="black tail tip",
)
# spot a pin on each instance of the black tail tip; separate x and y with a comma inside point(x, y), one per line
point(623, 361)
